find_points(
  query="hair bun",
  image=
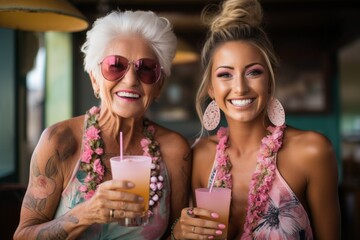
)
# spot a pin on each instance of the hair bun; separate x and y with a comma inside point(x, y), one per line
point(234, 13)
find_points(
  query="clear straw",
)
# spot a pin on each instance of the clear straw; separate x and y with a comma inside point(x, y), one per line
point(121, 146)
point(214, 179)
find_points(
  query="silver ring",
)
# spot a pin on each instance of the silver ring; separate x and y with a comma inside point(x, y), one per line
point(112, 213)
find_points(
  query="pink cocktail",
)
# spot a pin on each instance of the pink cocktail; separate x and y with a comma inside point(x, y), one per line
point(135, 169)
point(218, 201)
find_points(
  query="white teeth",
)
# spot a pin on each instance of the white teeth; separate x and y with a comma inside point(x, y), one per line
point(128, 94)
point(241, 103)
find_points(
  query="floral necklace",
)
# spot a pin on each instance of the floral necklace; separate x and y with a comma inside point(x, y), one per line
point(262, 178)
point(93, 165)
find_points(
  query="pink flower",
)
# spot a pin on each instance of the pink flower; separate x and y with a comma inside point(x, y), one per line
point(99, 151)
point(89, 194)
point(221, 132)
point(145, 142)
point(92, 133)
point(86, 156)
point(151, 130)
point(94, 110)
point(82, 188)
point(98, 168)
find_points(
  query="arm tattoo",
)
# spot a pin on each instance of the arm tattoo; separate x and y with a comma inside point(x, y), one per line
point(66, 142)
point(56, 229)
point(42, 186)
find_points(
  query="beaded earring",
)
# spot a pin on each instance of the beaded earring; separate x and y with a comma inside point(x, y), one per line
point(211, 118)
point(275, 112)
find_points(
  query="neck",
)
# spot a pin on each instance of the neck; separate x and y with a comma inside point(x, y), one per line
point(112, 125)
point(246, 136)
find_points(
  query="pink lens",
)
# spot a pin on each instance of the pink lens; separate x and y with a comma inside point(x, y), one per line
point(114, 68)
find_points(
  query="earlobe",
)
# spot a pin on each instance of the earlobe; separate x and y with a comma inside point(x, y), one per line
point(94, 82)
point(211, 92)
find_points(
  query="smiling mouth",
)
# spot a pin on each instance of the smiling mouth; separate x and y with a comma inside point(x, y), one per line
point(128, 95)
point(241, 102)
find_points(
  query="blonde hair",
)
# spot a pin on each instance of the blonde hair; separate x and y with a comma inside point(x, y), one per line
point(234, 20)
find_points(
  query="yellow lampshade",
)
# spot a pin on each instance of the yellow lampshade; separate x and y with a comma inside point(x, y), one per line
point(41, 15)
point(185, 54)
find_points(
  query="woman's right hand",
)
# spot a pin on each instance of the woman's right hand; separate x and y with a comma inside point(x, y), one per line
point(110, 203)
point(192, 224)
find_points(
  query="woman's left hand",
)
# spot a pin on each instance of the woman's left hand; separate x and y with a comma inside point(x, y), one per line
point(193, 225)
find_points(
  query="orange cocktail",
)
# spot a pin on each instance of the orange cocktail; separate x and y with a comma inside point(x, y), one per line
point(135, 169)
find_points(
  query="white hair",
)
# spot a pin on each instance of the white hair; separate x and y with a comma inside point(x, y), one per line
point(156, 30)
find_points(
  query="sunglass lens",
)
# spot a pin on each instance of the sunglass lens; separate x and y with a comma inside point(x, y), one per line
point(114, 67)
point(148, 70)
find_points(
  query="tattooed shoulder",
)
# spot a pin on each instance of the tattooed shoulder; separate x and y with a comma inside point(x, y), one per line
point(65, 140)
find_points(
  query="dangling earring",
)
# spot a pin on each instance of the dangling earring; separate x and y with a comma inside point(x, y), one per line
point(96, 94)
point(275, 112)
point(211, 118)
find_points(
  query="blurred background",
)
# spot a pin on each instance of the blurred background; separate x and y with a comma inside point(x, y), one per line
point(42, 80)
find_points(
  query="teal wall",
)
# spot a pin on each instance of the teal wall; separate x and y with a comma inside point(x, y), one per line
point(327, 123)
point(7, 103)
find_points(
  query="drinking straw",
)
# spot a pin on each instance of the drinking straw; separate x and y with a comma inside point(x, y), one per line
point(121, 146)
point(214, 179)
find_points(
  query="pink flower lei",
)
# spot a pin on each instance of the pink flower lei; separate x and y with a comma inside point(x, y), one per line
point(262, 178)
point(92, 164)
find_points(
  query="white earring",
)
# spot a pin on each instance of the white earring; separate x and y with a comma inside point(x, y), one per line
point(211, 118)
point(275, 112)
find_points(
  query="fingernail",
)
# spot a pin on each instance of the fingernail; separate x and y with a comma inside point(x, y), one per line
point(211, 237)
point(140, 199)
point(215, 215)
point(222, 226)
point(218, 232)
point(130, 184)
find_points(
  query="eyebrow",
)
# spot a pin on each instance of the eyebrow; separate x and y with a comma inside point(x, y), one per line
point(224, 67)
point(247, 66)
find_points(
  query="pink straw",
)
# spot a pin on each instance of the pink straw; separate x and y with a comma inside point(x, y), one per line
point(121, 146)
point(214, 179)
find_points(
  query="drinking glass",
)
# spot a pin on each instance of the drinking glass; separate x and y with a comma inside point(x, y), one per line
point(135, 169)
point(217, 200)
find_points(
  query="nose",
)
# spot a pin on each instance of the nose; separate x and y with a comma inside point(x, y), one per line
point(131, 76)
point(240, 84)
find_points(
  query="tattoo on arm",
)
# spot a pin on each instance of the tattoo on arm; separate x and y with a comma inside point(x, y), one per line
point(42, 186)
point(56, 229)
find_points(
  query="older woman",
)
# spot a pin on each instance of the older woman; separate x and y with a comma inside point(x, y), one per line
point(71, 193)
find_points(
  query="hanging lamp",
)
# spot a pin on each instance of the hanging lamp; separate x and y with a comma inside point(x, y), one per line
point(185, 54)
point(41, 15)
